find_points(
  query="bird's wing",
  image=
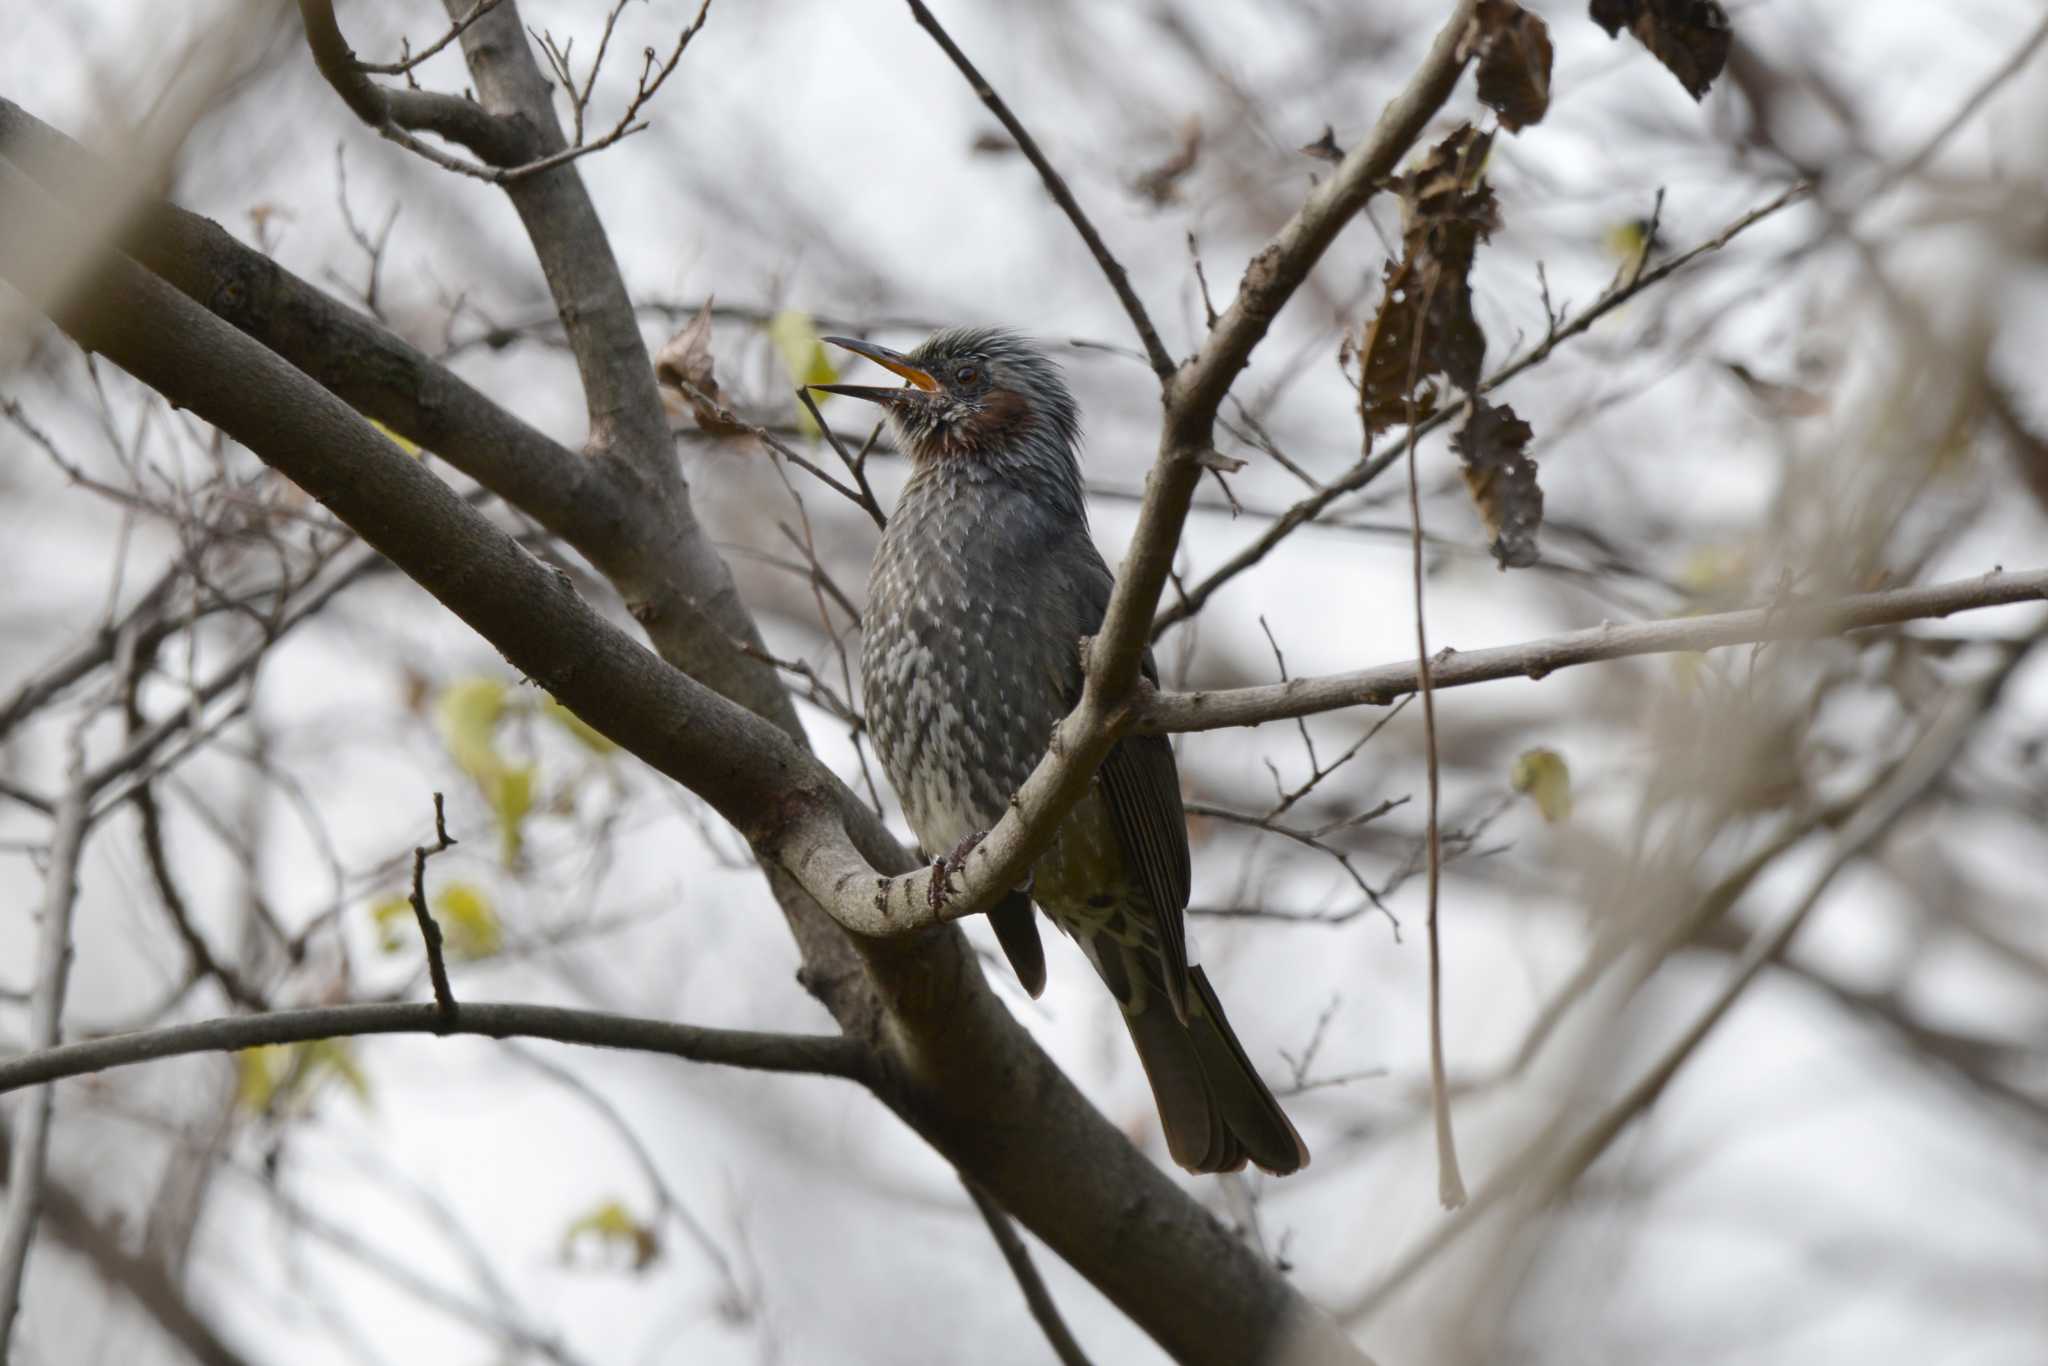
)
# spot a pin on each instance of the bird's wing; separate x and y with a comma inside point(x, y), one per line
point(1141, 786)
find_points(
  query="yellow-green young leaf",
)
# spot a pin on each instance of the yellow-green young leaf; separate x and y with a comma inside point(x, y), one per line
point(612, 1225)
point(257, 1073)
point(1543, 775)
point(470, 927)
point(277, 1077)
point(511, 798)
point(579, 729)
point(394, 921)
point(1629, 243)
point(411, 448)
point(336, 1058)
point(803, 355)
point(467, 715)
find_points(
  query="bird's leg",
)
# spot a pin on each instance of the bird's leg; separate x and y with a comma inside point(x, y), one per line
point(944, 868)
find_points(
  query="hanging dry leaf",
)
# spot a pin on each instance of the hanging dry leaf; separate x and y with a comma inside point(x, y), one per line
point(1514, 62)
point(1493, 455)
point(1425, 325)
point(683, 368)
point(1691, 37)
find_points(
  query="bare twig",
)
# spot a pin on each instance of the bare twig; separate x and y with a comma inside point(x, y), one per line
point(654, 71)
point(413, 59)
point(1036, 1296)
point(1156, 353)
point(430, 929)
point(856, 465)
point(505, 150)
point(26, 1163)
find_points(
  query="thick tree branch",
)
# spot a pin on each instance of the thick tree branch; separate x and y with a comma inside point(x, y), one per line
point(954, 1064)
point(1793, 619)
point(830, 1055)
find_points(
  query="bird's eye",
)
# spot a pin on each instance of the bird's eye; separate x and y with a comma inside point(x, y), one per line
point(967, 374)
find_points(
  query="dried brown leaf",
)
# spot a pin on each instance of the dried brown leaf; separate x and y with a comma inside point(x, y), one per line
point(1514, 62)
point(1425, 324)
point(1691, 37)
point(1493, 455)
point(684, 370)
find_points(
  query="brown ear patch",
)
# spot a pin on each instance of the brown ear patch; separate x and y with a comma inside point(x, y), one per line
point(1005, 416)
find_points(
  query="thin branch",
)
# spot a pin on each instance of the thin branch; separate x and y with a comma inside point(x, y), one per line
point(1036, 1297)
point(27, 1162)
point(1793, 619)
point(430, 929)
point(1156, 353)
point(829, 1055)
point(413, 59)
point(856, 466)
point(1550, 1165)
point(1370, 468)
point(504, 150)
point(1450, 1183)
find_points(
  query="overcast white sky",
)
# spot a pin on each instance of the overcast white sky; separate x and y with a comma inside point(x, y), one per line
point(821, 157)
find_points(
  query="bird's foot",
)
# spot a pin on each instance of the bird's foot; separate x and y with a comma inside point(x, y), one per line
point(944, 868)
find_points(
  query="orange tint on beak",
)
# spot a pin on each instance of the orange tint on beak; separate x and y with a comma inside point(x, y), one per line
point(889, 360)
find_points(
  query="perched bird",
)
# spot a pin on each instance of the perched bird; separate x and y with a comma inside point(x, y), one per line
point(983, 587)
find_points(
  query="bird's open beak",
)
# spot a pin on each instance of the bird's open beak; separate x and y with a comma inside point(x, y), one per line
point(888, 360)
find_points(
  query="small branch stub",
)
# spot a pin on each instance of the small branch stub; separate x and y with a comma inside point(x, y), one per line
point(430, 929)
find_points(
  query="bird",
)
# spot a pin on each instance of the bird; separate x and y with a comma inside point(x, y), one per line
point(984, 584)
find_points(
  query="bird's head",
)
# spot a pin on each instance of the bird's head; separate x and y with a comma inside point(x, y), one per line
point(974, 394)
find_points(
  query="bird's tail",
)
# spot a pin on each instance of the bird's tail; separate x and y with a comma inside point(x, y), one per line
point(1215, 1110)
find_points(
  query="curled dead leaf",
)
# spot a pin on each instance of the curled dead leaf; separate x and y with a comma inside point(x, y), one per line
point(1493, 456)
point(1514, 62)
point(684, 370)
point(1425, 324)
point(1690, 37)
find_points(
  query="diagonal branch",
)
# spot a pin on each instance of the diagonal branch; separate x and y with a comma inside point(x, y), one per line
point(1156, 354)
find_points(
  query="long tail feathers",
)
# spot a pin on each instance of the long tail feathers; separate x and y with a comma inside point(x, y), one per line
point(1216, 1111)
